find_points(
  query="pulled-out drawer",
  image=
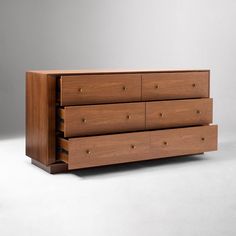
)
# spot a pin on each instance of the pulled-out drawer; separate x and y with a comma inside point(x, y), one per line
point(178, 113)
point(101, 119)
point(183, 141)
point(103, 88)
point(119, 148)
point(103, 150)
point(175, 85)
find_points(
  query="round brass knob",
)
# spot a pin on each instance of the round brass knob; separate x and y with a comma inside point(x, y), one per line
point(133, 146)
point(165, 143)
point(198, 111)
point(88, 151)
point(193, 85)
point(203, 139)
point(128, 117)
point(84, 120)
point(80, 90)
point(124, 88)
point(156, 86)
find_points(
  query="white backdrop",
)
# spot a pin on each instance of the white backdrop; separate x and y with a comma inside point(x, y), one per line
point(142, 34)
point(190, 196)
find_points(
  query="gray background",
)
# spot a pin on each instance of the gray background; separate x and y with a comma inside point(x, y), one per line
point(147, 34)
point(188, 196)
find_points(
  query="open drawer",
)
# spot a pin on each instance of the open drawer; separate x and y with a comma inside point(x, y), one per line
point(119, 148)
point(175, 85)
point(99, 88)
point(101, 119)
point(178, 113)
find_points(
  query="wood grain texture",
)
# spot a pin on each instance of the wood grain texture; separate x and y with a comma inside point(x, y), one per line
point(95, 89)
point(119, 148)
point(55, 168)
point(40, 117)
point(161, 86)
point(102, 119)
point(178, 113)
point(106, 149)
point(183, 141)
point(129, 91)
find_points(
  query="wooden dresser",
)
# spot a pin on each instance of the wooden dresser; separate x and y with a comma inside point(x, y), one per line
point(80, 119)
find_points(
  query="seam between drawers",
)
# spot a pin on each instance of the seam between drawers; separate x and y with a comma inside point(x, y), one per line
point(145, 110)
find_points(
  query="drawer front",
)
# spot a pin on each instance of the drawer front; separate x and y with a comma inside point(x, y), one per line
point(95, 89)
point(102, 119)
point(119, 148)
point(178, 113)
point(104, 150)
point(183, 141)
point(175, 85)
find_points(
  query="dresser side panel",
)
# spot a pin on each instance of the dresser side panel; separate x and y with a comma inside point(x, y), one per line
point(40, 117)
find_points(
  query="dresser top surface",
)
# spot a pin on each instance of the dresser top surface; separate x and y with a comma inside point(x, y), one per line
point(109, 71)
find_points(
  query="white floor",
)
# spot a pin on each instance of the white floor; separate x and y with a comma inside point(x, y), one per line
point(182, 196)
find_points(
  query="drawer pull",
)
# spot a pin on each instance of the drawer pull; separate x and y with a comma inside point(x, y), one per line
point(156, 86)
point(80, 90)
point(128, 117)
point(198, 111)
point(161, 114)
point(133, 146)
point(203, 139)
point(124, 88)
point(88, 151)
point(165, 143)
point(83, 120)
point(193, 85)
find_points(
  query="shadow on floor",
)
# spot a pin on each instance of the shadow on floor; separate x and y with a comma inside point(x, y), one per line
point(133, 166)
point(226, 152)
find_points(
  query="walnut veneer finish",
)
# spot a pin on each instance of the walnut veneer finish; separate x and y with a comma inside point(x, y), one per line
point(80, 119)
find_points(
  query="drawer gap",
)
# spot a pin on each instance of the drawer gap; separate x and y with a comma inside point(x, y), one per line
point(58, 90)
point(61, 120)
point(63, 144)
point(130, 132)
point(62, 149)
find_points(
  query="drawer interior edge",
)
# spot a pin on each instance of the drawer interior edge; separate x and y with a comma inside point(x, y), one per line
point(63, 149)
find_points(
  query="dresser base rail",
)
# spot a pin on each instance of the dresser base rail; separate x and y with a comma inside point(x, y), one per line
point(59, 167)
point(62, 167)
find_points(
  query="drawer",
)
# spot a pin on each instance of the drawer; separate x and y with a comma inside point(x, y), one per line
point(103, 150)
point(95, 89)
point(175, 85)
point(119, 148)
point(101, 119)
point(183, 141)
point(178, 113)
